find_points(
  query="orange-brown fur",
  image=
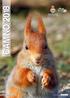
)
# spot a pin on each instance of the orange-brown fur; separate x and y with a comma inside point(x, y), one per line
point(36, 53)
point(21, 78)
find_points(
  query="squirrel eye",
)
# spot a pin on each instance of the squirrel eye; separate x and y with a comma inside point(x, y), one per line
point(45, 47)
point(26, 47)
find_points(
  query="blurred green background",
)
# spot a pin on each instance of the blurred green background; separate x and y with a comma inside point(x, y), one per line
point(58, 36)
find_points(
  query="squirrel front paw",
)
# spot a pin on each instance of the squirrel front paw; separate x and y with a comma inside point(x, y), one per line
point(31, 76)
point(48, 79)
point(45, 79)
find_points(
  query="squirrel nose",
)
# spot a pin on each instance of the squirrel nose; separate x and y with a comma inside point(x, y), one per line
point(38, 60)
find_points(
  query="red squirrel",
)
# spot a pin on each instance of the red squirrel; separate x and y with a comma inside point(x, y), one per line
point(34, 75)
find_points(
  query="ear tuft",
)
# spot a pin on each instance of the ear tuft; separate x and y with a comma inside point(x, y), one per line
point(41, 27)
point(28, 23)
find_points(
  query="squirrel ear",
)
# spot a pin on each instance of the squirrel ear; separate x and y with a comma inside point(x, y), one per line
point(41, 27)
point(28, 24)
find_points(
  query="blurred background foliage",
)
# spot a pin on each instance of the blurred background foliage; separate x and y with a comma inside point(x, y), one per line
point(58, 34)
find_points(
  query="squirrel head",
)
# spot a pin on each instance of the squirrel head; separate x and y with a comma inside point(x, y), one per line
point(35, 42)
